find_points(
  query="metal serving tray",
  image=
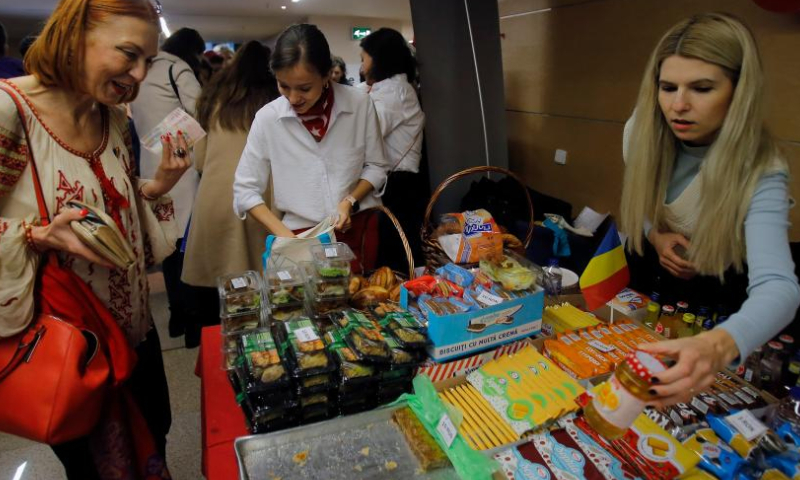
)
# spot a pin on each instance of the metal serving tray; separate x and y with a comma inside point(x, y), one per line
point(336, 451)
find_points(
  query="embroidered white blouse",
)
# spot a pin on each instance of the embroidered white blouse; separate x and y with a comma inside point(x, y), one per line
point(66, 175)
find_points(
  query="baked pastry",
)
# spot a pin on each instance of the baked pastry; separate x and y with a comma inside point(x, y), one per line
point(421, 443)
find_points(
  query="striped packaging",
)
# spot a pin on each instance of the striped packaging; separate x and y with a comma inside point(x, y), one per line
point(438, 372)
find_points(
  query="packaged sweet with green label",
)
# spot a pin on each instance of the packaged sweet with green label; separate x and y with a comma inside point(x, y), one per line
point(363, 336)
point(306, 347)
point(399, 355)
point(304, 335)
point(349, 366)
point(261, 361)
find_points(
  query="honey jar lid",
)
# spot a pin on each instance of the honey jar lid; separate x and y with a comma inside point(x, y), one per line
point(644, 365)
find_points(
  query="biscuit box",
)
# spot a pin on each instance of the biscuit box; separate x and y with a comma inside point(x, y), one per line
point(464, 334)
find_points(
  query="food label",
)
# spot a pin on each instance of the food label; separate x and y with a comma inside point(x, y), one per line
point(331, 252)
point(488, 298)
point(616, 405)
point(306, 334)
point(239, 282)
point(747, 424)
point(447, 430)
point(750, 391)
point(744, 397)
point(598, 345)
point(748, 375)
point(285, 276)
point(700, 405)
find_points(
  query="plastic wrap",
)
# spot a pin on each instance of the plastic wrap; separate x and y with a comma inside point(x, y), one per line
point(362, 336)
point(261, 366)
point(306, 351)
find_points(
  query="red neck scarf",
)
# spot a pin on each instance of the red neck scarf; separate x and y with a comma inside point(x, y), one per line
point(318, 118)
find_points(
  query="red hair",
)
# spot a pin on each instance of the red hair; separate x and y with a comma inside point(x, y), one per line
point(56, 57)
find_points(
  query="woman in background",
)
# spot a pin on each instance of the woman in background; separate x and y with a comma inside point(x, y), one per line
point(219, 243)
point(339, 71)
point(391, 72)
point(172, 83)
point(703, 180)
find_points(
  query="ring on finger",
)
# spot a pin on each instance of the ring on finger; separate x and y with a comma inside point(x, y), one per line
point(180, 152)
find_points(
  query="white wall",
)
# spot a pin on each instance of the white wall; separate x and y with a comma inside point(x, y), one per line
point(338, 31)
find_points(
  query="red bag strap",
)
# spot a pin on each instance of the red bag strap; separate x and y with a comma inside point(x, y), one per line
point(45, 216)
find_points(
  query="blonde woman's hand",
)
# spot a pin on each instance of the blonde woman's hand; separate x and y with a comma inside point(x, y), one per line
point(175, 160)
point(698, 359)
point(343, 222)
point(58, 235)
point(668, 245)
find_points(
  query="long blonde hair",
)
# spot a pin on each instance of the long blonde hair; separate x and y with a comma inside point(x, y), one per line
point(737, 159)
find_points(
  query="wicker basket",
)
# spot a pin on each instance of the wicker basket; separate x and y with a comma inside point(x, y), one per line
point(434, 254)
point(406, 246)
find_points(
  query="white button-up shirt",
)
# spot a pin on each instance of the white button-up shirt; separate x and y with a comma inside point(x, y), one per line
point(310, 179)
point(401, 120)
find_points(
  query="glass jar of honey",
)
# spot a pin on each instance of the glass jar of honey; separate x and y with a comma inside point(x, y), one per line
point(618, 401)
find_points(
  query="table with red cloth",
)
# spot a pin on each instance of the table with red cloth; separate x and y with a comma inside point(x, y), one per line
point(222, 421)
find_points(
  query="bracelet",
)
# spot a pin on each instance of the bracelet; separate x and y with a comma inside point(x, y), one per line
point(29, 236)
point(146, 196)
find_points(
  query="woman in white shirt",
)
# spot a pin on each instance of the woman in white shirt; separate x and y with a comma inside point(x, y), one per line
point(390, 71)
point(320, 142)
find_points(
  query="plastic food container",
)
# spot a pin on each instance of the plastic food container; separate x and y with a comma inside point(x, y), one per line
point(322, 288)
point(351, 370)
point(284, 313)
point(306, 351)
point(362, 336)
point(284, 286)
point(242, 305)
point(261, 366)
point(332, 260)
point(240, 293)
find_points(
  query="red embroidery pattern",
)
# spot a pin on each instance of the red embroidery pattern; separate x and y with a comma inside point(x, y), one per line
point(149, 258)
point(119, 288)
point(3, 228)
point(13, 159)
point(164, 212)
point(71, 191)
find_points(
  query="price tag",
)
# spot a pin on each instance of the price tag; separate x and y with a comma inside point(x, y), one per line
point(489, 298)
point(284, 276)
point(447, 430)
point(605, 348)
point(747, 424)
point(331, 252)
point(700, 405)
point(306, 334)
point(239, 282)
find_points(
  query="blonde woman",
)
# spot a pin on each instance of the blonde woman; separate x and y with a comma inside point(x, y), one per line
point(707, 188)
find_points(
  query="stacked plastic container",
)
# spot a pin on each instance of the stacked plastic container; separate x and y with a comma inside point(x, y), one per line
point(242, 309)
point(328, 280)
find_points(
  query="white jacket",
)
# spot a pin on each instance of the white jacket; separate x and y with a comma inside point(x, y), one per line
point(401, 120)
point(310, 179)
point(155, 101)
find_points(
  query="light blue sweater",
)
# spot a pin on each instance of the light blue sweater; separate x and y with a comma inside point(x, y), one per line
point(773, 293)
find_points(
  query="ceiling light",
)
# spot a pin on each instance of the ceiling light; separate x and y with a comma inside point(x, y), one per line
point(283, 7)
point(295, 1)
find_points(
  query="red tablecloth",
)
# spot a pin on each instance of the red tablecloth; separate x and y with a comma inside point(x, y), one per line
point(221, 418)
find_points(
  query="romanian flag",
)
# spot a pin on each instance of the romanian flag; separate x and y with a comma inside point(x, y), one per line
point(607, 272)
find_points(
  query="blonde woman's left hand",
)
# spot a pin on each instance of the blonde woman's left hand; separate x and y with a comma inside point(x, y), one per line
point(698, 359)
point(175, 160)
point(343, 222)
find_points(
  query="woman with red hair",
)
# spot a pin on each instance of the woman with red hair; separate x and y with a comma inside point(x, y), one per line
point(89, 59)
